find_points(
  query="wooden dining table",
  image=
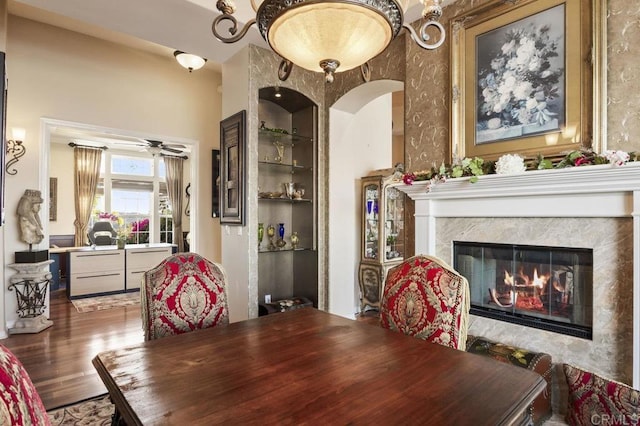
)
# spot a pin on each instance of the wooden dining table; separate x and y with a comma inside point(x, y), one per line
point(307, 366)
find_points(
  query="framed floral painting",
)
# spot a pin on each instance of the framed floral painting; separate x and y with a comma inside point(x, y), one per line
point(523, 78)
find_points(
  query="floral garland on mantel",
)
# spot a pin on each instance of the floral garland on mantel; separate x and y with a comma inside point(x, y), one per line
point(510, 164)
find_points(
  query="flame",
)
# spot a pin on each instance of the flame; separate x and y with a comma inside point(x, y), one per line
point(508, 279)
point(540, 281)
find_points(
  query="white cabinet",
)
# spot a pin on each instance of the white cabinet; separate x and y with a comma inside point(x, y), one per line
point(96, 272)
point(140, 260)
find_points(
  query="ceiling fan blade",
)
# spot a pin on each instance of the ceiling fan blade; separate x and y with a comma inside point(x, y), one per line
point(169, 149)
point(154, 143)
point(175, 145)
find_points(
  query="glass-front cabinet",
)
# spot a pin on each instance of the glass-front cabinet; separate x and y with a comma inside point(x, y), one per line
point(287, 213)
point(382, 234)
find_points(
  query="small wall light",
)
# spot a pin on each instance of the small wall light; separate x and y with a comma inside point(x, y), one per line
point(15, 149)
point(189, 61)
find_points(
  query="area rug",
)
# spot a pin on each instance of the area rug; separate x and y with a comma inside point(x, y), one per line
point(91, 304)
point(96, 411)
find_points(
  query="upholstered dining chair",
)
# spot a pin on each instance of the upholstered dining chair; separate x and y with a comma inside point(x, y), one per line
point(425, 298)
point(183, 293)
point(20, 403)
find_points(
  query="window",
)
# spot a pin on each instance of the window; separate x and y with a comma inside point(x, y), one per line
point(136, 166)
point(131, 186)
point(166, 221)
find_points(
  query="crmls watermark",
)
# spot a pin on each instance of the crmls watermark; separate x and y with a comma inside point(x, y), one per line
point(615, 420)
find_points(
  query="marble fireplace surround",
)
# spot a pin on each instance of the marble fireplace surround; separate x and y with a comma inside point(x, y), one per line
point(594, 207)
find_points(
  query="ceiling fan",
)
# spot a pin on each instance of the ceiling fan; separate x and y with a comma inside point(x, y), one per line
point(159, 147)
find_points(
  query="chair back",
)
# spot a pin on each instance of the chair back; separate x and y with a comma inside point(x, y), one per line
point(183, 293)
point(20, 403)
point(425, 298)
point(102, 234)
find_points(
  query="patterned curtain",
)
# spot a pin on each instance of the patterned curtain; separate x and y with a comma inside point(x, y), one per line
point(174, 167)
point(86, 172)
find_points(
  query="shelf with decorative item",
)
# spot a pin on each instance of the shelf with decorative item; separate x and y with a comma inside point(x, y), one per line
point(278, 135)
point(282, 199)
point(284, 249)
point(286, 167)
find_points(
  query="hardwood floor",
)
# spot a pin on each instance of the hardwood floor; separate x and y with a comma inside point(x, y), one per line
point(59, 359)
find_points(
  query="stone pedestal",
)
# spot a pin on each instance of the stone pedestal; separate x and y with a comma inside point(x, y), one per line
point(30, 284)
point(31, 325)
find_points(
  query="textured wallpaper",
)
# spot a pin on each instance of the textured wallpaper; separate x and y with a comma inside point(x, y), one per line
point(428, 88)
point(623, 79)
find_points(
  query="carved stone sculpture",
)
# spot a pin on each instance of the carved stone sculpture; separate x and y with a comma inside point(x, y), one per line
point(28, 217)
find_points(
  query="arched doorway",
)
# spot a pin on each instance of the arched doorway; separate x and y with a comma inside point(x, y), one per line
point(360, 140)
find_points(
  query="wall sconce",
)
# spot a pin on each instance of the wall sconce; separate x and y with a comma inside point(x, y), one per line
point(15, 149)
point(189, 61)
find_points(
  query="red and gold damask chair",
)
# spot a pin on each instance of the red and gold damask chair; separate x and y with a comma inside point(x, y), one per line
point(20, 403)
point(185, 292)
point(425, 298)
point(597, 400)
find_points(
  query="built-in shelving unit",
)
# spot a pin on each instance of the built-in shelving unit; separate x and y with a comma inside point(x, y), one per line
point(287, 154)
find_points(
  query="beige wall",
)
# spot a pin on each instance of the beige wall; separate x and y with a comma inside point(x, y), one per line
point(58, 74)
point(61, 167)
point(3, 25)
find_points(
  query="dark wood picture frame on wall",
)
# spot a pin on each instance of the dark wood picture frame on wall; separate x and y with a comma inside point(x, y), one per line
point(3, 131)
point(215, 183)
point(232, 172)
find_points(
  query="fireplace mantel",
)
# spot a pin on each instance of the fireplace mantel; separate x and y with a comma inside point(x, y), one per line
point(590, 191)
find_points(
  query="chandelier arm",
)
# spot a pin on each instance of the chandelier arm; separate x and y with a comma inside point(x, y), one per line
point(284, 70)
point(423, 37)
point(365, 72)
point(232, 30)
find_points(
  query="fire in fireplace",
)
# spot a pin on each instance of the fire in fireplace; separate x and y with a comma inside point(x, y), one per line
point(550, 288)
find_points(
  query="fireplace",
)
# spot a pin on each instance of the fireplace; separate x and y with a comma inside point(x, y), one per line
point(595, 207)
point(549, 288)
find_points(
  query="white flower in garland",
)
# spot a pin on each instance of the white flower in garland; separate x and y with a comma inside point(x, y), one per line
point(510, 164)
point(617, 158)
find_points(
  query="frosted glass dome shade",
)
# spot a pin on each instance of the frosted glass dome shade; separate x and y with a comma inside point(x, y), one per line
point(348, 33)
point(189, 61)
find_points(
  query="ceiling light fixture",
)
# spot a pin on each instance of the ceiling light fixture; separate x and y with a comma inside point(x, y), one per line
point(154, 150)
point(330, 35)
point(189, 61)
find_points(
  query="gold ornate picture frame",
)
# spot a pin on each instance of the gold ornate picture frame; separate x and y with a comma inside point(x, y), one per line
point(527, 78)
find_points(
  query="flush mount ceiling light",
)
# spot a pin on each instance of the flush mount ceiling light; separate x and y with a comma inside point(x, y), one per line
point(330, 35)
point(189, 61)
